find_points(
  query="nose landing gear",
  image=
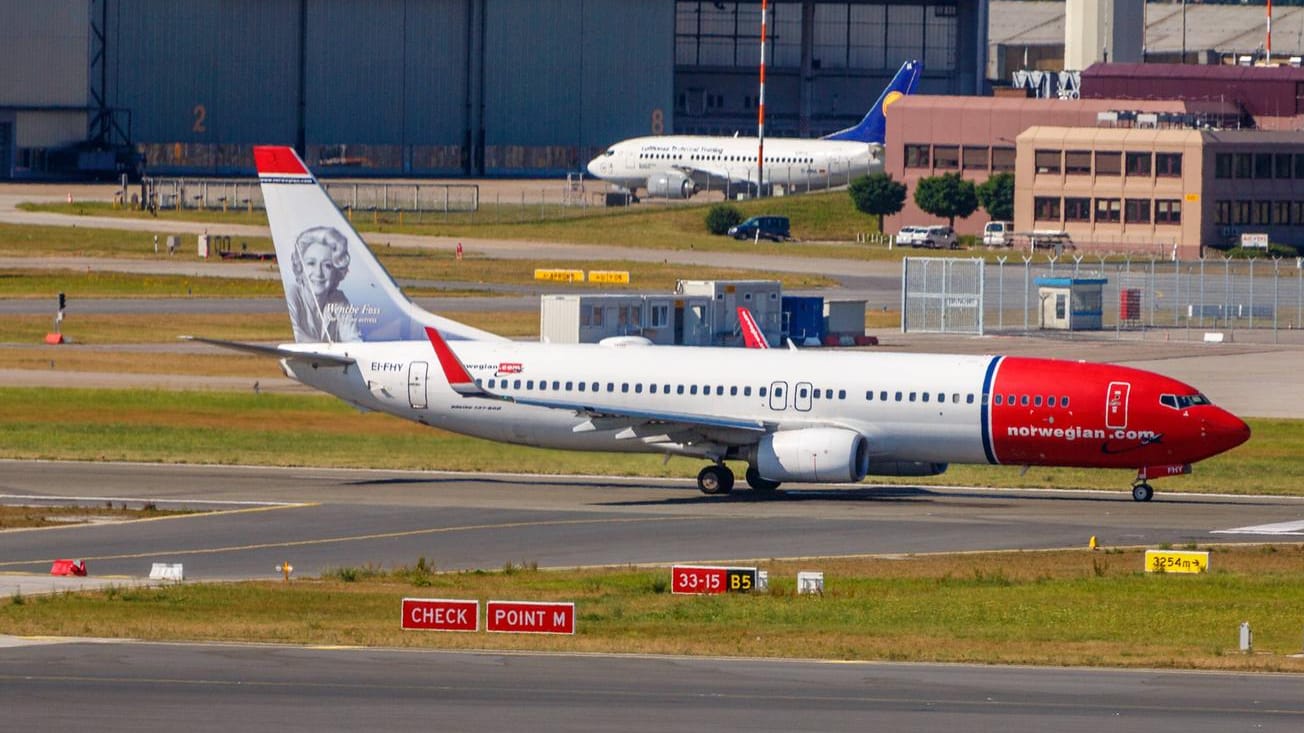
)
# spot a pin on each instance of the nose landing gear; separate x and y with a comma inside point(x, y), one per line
point(1141, 491)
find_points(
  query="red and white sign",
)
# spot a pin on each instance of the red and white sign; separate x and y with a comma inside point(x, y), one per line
point(440, 614)
point(698, 579)
point(524, 617)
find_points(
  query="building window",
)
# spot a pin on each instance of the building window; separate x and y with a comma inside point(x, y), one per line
point(1046, 208)
point(1108, 210)
point(1077, 162)
point(1168, 211)
point(1002, 159)
point(916, 156)
point(1299, 165)
point(1138, 164)
point(946, 157)
point(975, 159)
point(1261, 212)
point(1168, 165)
point(1281, 165)
point(1077, 209)
point(1222, 165)
point(1047, 161)
point(1222, 213)
point(1241, 212)
point(1281, 212)
point(1263, 165)
point(1297, 212)
point(1109, 162)
point(1137, 211)
point(1244, 165)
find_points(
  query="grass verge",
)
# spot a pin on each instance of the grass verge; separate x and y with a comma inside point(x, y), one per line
point(1044, 608)
point(23, 517)
point(318, 430)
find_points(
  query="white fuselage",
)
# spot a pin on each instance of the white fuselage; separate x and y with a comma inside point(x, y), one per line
point(794, 163)
point(778, 387)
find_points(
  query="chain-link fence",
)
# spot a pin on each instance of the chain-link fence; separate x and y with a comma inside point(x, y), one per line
point(223, 194)
point(1225, 295)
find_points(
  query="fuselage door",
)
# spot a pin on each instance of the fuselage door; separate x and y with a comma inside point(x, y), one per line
point(779, 396)
point(417, 372)
point(1116, 405)
point(801, 396)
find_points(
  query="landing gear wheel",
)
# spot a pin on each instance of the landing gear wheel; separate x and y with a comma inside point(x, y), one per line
point(1142, 492)
point(717, 479)
point(755, 481)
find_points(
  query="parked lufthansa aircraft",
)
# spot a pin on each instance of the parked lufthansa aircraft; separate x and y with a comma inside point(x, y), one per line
point(677, 166)
point(808, 416)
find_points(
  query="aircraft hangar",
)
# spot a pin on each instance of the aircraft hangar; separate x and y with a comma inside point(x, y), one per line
point(442, 87)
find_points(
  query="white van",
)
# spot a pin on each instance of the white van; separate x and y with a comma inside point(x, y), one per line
point(998, 234)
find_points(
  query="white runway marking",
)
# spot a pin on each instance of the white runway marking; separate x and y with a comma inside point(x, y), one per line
point(1280, 528)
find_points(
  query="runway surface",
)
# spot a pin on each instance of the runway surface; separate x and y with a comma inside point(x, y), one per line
point(321, 519)
point(132, 687)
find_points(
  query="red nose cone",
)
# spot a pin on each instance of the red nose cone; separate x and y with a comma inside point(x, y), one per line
point(1226, 431)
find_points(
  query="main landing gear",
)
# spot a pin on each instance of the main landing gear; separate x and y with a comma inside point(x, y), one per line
point(719, 479)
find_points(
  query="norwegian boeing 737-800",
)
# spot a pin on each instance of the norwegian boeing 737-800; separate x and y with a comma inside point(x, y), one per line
point(789, 415)
point(677, 166)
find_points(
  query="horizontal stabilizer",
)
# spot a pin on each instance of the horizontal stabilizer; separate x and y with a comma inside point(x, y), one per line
point(279, 352)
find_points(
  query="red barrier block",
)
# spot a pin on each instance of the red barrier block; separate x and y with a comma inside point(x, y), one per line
point(54, 339)
point(867, 341)
point(68, 567)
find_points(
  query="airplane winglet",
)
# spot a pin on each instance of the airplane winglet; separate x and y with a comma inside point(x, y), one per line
point(753, 337)
point(456, 374)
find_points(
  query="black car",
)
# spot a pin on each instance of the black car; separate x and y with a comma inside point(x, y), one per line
point(774, 228)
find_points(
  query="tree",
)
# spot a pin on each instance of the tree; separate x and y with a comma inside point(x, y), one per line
point(722, 216)
point(947, 195)
point(878, 195)
point(996, 196)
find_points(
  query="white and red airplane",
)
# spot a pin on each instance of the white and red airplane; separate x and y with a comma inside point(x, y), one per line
point(802, 416)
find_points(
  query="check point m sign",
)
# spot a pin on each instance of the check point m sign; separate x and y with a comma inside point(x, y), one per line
point(441, 614)
point(527, 617)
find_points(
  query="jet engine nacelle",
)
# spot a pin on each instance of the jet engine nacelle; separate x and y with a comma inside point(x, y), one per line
point(821, 455)
point(670, 185)
point(907, 468)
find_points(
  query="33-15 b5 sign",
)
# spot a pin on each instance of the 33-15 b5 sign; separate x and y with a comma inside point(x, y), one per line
point(705, 579)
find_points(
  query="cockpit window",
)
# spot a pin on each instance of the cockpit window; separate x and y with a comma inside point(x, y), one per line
point(1181, 402)
point(610, 151)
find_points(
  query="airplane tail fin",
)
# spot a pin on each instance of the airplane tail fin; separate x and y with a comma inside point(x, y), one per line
point(873, 128)
point(336, 289)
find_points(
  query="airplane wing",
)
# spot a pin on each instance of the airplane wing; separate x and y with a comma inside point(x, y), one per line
point(632, 422)
point(288, 351)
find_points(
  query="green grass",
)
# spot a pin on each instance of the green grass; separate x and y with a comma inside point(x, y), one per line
point(20, 283)
point(313, 430)
point(1051, 608)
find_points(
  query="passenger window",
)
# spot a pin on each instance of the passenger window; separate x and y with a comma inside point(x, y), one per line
point(898, 396)
point(624, 387)
point(679, 389)
point(778, 391)
point(925, 397)
point(733, 391)
point(611, 386)
point(638, 388)
point(692, 389)
point(955, 398)
point(1023, 400)
point(570, 386)
point(761, 391)
point(652, 389)
point(869, 396)
point(517, 385)
point(801, 392)
point(912, 396)
point(815, 394)
point(941, 397)
point(719, 391)
point(1036, 401)
point(491, 383)
point(529, 384)
point(828, 394)
point(883, 395)
point(998, 399)
point(842, 394)
point(556, 384)
point(1064, 400)
point(968, 399)
point(477, 383)
point(581, 386)
point(1011, 400)
point(747, 391)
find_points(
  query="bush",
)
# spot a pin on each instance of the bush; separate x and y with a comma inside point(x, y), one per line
point(721, 217)
point(1274, 251)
